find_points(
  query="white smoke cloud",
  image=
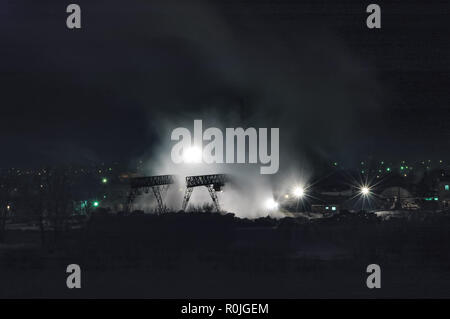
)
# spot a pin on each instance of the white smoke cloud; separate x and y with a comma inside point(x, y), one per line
point(244, 196)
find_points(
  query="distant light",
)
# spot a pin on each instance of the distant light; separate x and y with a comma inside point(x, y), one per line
point(286, 196)
point(96, 203)
point(402, 168)
point(388, 169)
point(299, 191)
point(271, 204)
point(104, 180)
point(436, 198)
point(192, 155)
point(333, 208)
point(8, 207)
point(365, 190)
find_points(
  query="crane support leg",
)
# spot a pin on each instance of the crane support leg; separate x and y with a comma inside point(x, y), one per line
point(213, 194)
point(187, 196)
point(157, 193)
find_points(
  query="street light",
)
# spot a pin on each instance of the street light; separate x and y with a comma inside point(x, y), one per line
point(365, 191)
point(299, 192)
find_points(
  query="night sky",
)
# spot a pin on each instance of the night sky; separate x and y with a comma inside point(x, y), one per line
point(334, 87)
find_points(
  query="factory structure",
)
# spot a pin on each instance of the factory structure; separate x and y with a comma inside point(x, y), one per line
point(328, 197)
point(113, 189)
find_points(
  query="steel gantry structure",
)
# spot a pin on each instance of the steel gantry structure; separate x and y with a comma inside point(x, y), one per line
point(159, 185)
point(213, 183)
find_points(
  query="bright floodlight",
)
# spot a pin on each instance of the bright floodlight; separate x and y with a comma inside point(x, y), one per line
point(192, 155)
point(299, 191)
point(271, 204)
point(365, 190)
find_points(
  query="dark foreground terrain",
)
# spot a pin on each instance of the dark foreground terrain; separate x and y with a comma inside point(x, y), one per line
point(214, 256)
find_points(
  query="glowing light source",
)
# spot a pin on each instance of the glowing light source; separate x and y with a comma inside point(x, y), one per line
point(104, 180)
point(95, 204)
point(192, 155)
point(271, 204)
point(299, 191)
point(365, 190)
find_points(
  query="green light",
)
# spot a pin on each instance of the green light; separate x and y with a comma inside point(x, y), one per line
point(436, 198)
point(104, 180)
point(388, 169)
point(335, 163)
point(447, 187)
point(402, 168)
point(96, 203)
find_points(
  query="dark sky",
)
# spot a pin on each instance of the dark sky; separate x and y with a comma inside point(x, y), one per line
point(335, 88)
